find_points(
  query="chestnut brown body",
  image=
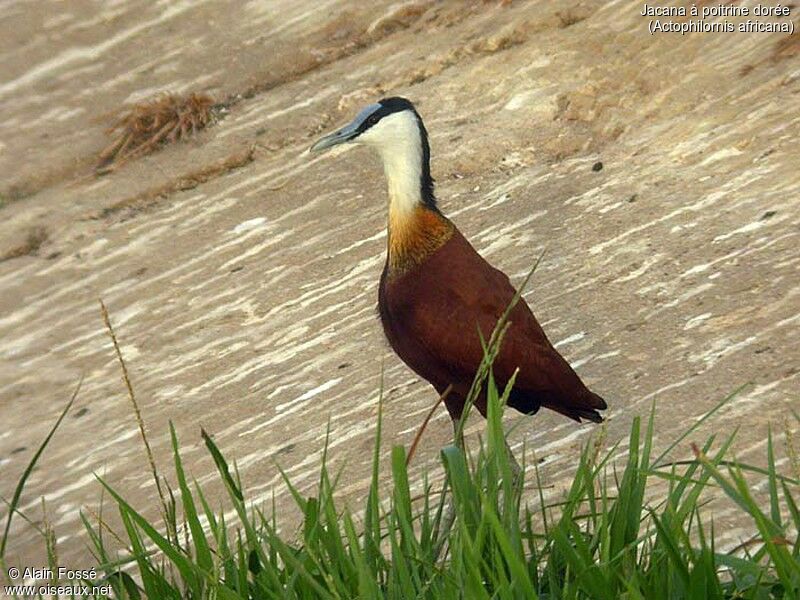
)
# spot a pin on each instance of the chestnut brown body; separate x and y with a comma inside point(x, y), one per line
point(437, 292)
point(432, 303)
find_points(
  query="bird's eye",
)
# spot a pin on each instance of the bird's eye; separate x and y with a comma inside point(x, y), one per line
point(372, 119)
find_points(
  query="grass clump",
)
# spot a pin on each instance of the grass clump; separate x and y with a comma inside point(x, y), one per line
point(604, 539)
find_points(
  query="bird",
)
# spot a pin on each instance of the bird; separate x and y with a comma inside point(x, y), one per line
point(436, 292)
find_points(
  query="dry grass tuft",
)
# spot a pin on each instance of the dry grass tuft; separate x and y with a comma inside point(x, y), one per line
point(570, 16)
point(746, 69)
point(786, 47)
point(401, 17)
point(14, 192)
point(152, 123)
point(503, 40)
point(36, 237)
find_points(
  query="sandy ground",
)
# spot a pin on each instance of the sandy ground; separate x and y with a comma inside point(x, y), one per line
point(245, 302)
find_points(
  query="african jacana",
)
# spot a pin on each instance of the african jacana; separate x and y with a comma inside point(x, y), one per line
point(436, 290)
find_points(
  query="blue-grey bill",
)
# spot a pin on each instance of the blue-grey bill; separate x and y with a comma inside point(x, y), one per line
point(346, 133)
point(334, 139)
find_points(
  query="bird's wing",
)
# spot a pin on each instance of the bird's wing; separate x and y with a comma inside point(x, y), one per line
point(447, 324)
point(455, 303)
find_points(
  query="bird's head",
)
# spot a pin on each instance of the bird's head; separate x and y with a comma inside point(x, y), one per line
point(393, 127)
point(388, 124)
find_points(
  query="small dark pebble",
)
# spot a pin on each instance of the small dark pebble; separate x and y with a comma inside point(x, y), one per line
point(261, 131)
point(769, 214)
point(598, 166)
point(53, 255)
point(343, 366)
point(18, 450)
point(633, 198)
point(81, 412)
point(237, 269)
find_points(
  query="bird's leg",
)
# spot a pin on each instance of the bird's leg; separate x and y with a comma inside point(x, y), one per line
point(449, 515)
point(458, 434)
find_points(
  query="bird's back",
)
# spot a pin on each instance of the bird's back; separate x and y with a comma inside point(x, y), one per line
point(431, 313)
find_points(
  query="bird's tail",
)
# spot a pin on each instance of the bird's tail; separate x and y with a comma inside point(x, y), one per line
point(587, 409)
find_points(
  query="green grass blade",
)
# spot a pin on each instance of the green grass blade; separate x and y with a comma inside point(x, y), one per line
point(222, 466)
point(188, 570)
point(29, 469)
point(700, 421)
point(202, 551)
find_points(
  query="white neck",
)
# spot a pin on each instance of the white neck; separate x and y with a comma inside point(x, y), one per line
point(403, 171)
point(397, 139)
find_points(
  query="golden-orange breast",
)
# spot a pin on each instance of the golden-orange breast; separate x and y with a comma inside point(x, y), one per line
point(415, 235)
